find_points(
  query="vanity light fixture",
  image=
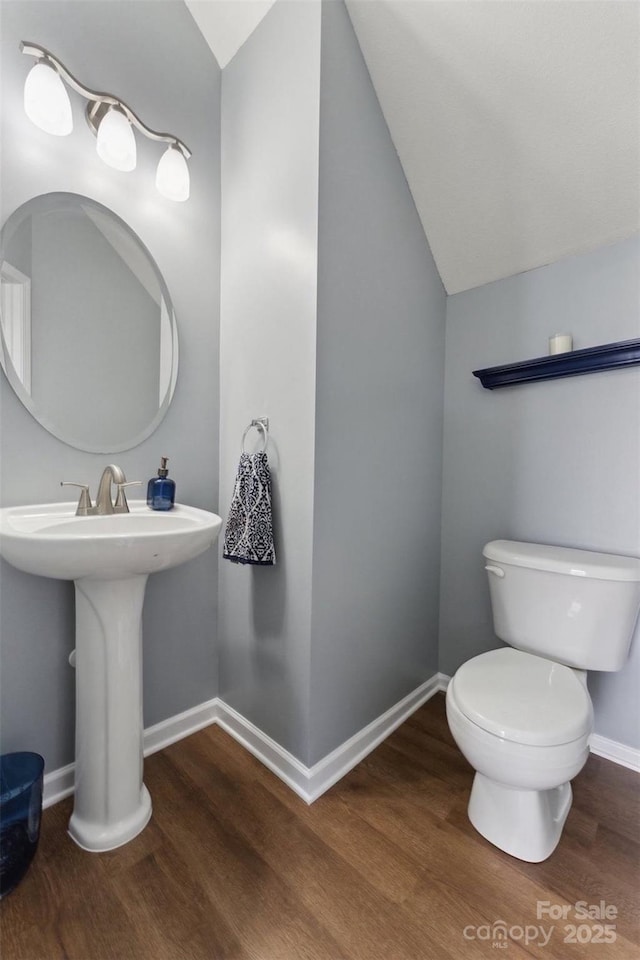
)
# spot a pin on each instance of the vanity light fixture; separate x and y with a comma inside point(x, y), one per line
point(46, 101)
point(47, 104)
point(172, 175)
point(115, 142)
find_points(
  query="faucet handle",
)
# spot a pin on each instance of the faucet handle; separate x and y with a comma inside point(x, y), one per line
point(84, 503)
point(121, 505)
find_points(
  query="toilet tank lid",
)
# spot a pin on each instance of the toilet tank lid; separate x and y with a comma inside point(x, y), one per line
point(567, 560)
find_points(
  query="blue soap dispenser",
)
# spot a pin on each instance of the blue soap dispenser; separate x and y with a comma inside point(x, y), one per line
point(161, 490)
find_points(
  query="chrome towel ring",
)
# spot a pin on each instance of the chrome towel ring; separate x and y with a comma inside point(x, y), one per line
point(262, 424)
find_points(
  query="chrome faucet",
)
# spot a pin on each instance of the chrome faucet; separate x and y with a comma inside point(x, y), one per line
point(104, 501)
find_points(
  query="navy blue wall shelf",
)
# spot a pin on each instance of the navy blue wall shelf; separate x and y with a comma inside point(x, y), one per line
point(610, 356)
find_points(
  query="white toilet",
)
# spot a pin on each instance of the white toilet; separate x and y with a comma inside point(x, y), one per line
point(522, 717)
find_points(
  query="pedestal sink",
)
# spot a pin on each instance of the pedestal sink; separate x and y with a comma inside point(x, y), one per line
point(109, 558)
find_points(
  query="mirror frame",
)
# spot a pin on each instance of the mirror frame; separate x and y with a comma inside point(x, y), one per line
point(11, 224)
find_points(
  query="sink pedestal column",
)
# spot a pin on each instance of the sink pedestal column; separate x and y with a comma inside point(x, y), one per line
point(112, 805)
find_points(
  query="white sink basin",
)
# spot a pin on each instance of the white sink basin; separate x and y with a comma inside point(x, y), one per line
point(50, 541)
point(109, 559)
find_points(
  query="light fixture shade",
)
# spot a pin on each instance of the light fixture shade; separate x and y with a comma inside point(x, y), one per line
point(116, 143)
point(46, 101)
point(172, 176)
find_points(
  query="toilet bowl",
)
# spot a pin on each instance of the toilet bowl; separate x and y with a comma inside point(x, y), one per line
point(521, 715)
point(527, 757)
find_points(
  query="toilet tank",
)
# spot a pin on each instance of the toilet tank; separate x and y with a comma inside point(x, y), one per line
point(572, 606)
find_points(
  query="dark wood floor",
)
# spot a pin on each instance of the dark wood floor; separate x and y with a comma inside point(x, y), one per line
point(385, 866)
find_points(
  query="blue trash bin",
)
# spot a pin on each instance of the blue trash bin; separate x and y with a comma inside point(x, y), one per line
point(20, 813)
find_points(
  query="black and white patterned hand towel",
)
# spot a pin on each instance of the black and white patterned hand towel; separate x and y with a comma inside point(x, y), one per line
point(248, 537)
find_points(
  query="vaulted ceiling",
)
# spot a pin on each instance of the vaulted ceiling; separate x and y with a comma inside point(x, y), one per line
point(517, 123)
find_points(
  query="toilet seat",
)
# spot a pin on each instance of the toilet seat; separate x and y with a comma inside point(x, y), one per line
point(523, 698)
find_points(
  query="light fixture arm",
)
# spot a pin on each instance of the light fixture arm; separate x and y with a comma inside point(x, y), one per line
point(99, 102)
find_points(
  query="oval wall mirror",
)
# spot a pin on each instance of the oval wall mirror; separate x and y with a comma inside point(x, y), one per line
point(88, 336)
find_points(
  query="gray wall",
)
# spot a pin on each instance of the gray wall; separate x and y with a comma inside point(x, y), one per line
point(379, 398)
point(339, 339)
point(555, 462)
point(151, 54)
point(270, 104)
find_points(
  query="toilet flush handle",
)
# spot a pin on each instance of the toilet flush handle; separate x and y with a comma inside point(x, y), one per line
point(497, 571)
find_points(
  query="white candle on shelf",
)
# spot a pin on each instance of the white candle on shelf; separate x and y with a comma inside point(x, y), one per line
point(560, 343)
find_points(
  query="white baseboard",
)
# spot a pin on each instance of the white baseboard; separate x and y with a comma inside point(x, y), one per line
point(311, 782)
point(168, 731)
point(345, 757)
point(617, 752)
point(276, 758)
point(57, 785)
point(308, 782)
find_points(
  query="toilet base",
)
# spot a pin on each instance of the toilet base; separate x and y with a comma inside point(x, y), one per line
point(526, 824)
